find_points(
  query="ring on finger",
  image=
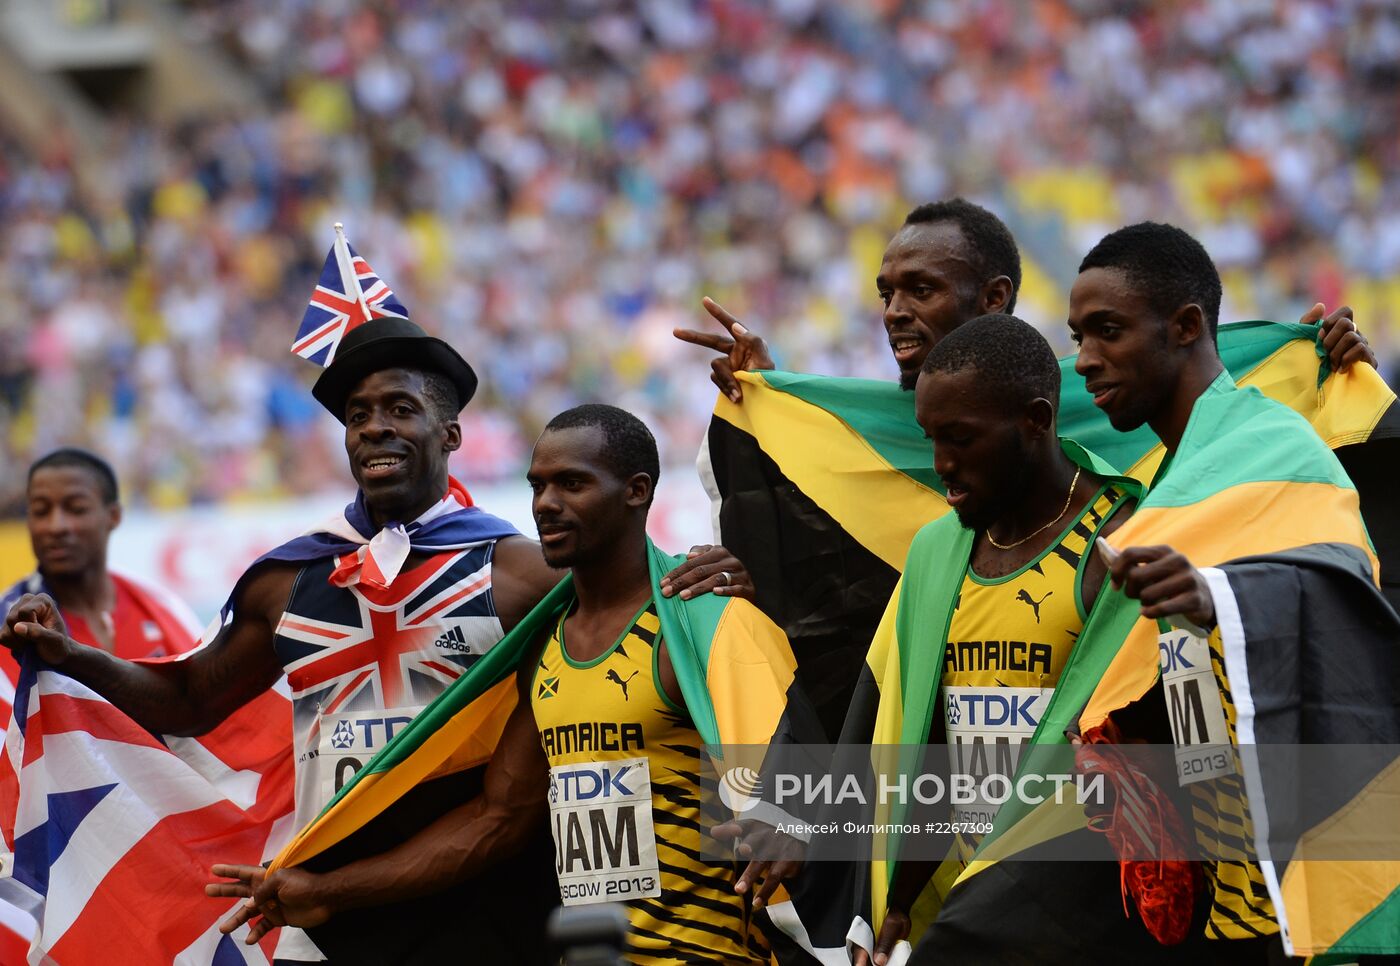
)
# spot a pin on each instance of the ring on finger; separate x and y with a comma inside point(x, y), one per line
point(728, 577)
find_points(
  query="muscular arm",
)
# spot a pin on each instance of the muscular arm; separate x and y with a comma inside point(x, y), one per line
point(467, 840)
point(519, 579)
point(461, 844)
point(186, 697)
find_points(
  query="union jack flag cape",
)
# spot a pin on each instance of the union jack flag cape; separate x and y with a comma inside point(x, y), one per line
point(110, 830)
point(347, 295)
point(374, 555)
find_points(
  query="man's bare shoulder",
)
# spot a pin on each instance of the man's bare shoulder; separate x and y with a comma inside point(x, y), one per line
point(264, 590)
point(520, 578)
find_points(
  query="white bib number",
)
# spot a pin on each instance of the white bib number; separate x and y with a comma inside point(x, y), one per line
point(1194, 708)
point(349, 739)
point(987, 728)
point(604, 842)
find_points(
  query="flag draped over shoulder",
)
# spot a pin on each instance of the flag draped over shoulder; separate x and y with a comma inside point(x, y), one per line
point(892, 711)
point(1253, 488)
point(1312, 657)
point(733, 666)
point(110, 831)
point(1312, 653)
point(821, 483)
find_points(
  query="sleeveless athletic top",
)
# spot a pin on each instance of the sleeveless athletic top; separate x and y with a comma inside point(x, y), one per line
point(1008, 641)
point(1240, 907)
point(626, 809)
point(361, 662)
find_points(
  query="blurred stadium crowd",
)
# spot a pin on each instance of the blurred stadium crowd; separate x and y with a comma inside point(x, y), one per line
point(551, 186)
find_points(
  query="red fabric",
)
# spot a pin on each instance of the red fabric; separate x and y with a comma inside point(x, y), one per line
point(143, 627)
point(458, 492)
point(1163, 888)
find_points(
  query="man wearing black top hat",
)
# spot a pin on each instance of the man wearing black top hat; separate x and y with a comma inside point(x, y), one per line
point(370, 617)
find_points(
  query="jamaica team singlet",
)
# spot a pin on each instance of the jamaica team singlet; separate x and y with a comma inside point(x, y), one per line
point(1008, 641)
point(625, 802)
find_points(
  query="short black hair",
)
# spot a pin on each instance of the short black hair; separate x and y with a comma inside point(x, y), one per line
point(1168, 266)
point(629, 446)
point(1016, 357)
point(993, 250)
point(72, 456)
point(441, 395)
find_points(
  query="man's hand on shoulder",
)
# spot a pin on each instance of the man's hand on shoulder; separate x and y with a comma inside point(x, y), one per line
point(739, 350)
point(34, 621)
point(709, 570)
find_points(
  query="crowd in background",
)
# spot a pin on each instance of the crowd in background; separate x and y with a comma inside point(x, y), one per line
point(551, 187)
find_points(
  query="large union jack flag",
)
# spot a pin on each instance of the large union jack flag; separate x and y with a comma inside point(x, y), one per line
point(110, 831)
point(347, 296)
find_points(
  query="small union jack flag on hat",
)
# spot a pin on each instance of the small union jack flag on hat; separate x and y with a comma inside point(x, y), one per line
point(347, 295)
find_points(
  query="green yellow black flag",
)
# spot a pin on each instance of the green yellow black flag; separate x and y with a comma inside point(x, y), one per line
point(823, 484)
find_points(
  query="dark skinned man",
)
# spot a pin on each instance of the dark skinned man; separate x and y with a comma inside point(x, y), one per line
point(592, 473)
point(377, 613)
point(1144, 312)
point(987, 400)
point(73, 505)
point(950, 262)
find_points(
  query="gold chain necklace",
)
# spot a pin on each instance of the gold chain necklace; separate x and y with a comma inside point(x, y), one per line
point(1063, 510)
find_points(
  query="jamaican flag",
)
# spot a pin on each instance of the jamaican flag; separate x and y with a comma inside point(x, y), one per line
point(735, 672)
point(1254, 495)
point(822, 482)
point(1307, 653)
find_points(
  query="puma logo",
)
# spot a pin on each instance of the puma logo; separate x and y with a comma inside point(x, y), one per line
point(1025, 595)
point(612, 676)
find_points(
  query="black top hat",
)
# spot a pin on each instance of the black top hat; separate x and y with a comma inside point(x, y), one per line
point(389, 344)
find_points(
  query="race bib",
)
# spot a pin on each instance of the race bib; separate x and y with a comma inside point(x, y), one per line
point(987, 728)
point(604, 842)
point(1194, 708)
point(349, 740)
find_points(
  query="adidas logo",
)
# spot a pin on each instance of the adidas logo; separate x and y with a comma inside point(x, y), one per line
point(453, 640)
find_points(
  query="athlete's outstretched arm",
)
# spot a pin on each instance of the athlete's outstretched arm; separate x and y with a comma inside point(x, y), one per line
point(461, 844)
point(521, 578)
point(184, 697)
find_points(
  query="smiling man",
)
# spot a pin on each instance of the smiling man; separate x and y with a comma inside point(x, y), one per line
point(370, 617)
point(603, 741)
point(950, 262)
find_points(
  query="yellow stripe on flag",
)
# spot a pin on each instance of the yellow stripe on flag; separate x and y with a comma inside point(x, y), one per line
point(1242, 521)
point(1316, 920)
point(833, 465)
point(1250, 519)
point(467, 739)
point(1343, 411)
point(746, 647)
